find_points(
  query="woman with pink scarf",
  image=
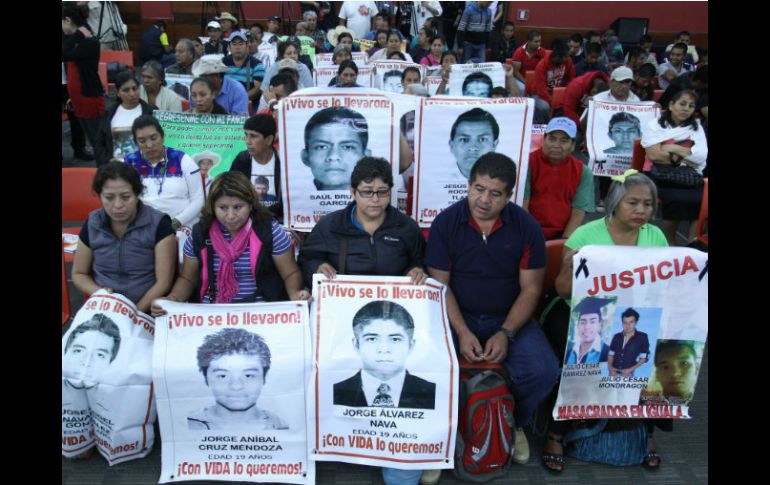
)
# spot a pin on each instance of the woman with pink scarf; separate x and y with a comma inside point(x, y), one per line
point(237, 253)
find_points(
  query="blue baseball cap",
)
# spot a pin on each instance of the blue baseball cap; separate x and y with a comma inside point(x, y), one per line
point(564, 124)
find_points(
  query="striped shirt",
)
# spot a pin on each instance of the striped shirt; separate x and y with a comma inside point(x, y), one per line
point(247, 287)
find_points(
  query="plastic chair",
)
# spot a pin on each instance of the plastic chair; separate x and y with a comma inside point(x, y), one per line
point(65, 293)
point(703, 216)
point(126, 57)
point(556, 97)
point(103, 75)
point(637, 159)
point(553, 252)
point(185, 105)
point(657, 94)
point(77, 200)
point(529, 82)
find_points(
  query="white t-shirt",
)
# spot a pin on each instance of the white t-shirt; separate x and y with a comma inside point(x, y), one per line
point(359, 16)
point(122, 139)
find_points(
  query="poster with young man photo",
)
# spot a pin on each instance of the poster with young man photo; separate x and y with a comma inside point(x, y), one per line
point(233, 378)
point(336, 128)
point(452, 133)
point(384, 367)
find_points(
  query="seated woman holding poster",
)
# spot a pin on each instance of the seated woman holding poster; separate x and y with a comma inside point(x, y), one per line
point(113, 141)
point(237, 252)
point(202, 94)
point(171, 179)
point(124, 225)
point(677, 139)
point(368, 237)
point(631, 203)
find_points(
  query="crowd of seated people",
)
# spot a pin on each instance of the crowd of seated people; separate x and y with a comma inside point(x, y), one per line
point(248, 70)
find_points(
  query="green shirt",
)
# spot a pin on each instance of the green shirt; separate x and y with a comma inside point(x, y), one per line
point(596, 232)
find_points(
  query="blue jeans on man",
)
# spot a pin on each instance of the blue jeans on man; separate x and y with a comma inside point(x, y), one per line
point(476, 52)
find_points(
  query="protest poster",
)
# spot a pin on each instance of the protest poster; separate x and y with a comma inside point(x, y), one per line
point(210, 139)
point(268, 52)
point(476, 79)
point(107, 392)
point(180, 84)
point(452, 133)
point(324, 132)
point(432, 83)
point(387, 74)
point(659, 298)
point(323, 75)
point(325, 59)
point(610, 132)
point(231, 386)
point(385, 373)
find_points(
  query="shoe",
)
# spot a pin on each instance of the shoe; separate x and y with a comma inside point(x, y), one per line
point(553, 458)
point(430, 477)
point(83, 155)
point(520, 453)
point(651, 460)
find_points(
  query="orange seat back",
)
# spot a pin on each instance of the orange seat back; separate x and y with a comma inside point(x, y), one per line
point(637, 159)
point(553, 250)
point(558, 94)
point(656, 95)
point(77, 199)
point(103, 75)
point(529, 82)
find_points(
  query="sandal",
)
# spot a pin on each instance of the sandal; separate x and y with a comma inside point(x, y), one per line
point(549, 459)
point(652, 459)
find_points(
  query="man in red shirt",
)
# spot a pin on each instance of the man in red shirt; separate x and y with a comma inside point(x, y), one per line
point(526, 57)
point(559, 189)
point(555, 70)
point(575, 98)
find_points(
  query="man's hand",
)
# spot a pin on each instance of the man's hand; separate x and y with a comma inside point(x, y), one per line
point(86, 33)
point(497, 348)
point(508, 70)
point(302, 295)
point(470, 348)
point(612, 370)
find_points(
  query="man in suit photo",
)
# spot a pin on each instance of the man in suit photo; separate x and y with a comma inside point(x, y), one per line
point(384, 338)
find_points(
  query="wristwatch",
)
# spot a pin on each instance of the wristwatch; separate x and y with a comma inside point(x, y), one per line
point(508, 333)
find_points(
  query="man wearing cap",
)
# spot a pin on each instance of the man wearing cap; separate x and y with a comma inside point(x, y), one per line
point(230, 94)
point(185, 56)
point(228, 23)
point(587, 346)
point(304, 77)
point(260, 161)
point(244, 68)
point(630, 348)
point(491, 255)
point(559, 188)
point(215, 45)
point(620, 87)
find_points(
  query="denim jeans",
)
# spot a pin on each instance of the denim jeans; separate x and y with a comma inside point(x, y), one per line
point(531, 364)
point(477, 52)
point(394, 476)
